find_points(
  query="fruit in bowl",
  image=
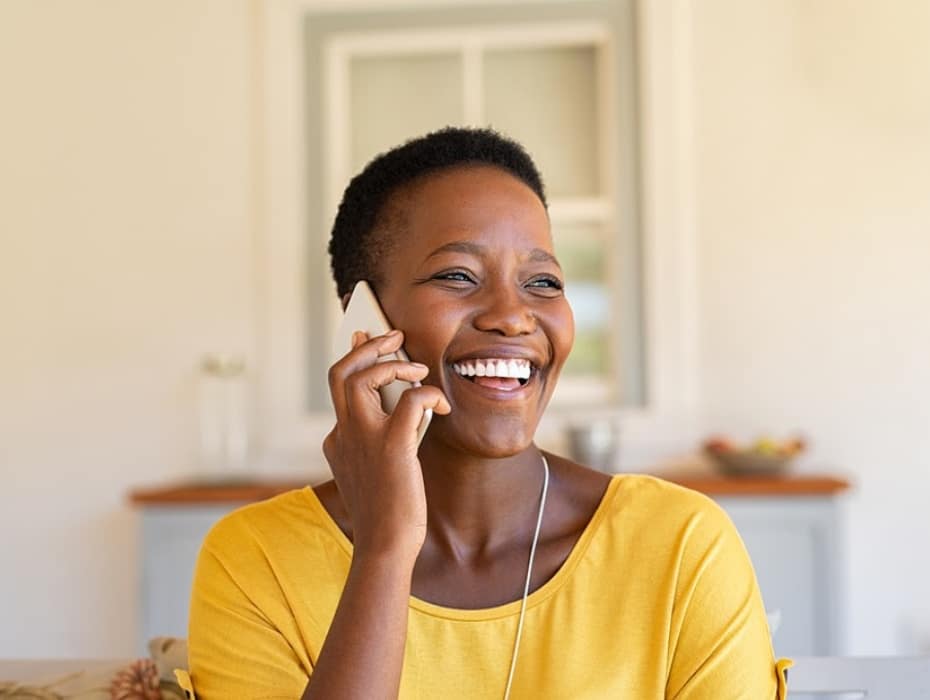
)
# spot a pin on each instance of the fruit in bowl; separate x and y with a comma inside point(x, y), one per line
point(764, 457)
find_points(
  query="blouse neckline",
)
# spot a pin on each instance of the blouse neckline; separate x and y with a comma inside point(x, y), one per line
point(541, 594)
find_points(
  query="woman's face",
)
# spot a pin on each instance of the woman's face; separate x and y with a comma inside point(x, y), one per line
point(472, 278)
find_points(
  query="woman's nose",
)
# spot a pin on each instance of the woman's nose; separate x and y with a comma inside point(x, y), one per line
point(505, 312)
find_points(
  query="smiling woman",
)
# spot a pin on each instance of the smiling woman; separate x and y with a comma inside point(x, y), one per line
point(474, 566)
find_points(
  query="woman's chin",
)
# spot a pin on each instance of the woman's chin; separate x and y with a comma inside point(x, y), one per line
point(490, 441)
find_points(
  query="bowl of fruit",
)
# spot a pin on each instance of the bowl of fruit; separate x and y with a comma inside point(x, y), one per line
point(764, 457)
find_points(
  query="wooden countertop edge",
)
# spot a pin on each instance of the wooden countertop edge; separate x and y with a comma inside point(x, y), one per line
point(247, 492)
point(801, 485)
point(212, 493)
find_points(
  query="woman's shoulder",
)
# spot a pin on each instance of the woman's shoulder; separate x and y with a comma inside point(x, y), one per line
point(627, 491)
point(658, 509)
point(651, 490)
point(263, 522)
point(631, 499)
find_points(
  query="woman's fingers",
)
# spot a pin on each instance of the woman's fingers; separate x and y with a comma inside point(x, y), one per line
point(409, 412)
point(364, 353)
point(363, 401)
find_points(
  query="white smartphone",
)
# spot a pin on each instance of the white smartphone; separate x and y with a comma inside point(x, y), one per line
point(363, 313)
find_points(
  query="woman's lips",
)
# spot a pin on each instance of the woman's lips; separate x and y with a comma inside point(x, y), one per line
point(502, 383)
point(498, 388)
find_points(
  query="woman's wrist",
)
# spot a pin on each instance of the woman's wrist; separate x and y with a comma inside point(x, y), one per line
point(396, 561)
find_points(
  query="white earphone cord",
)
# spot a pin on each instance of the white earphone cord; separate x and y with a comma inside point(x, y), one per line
point(529, 574)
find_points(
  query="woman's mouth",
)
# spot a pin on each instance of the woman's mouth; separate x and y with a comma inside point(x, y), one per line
point(496, 373)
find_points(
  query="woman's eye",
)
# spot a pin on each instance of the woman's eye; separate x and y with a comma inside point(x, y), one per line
point(546, 283)
point(454, 276)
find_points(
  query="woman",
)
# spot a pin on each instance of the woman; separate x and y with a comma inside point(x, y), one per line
point(420, 572)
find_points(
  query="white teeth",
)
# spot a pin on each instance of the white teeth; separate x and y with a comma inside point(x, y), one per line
point(516, 369)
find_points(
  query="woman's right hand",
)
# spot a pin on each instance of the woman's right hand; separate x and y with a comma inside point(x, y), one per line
point(373, 455)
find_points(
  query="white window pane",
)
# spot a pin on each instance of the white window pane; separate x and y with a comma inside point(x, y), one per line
point(547, 99)
point(395, 98)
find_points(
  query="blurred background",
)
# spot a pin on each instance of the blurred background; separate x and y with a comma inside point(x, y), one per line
point(740, 195)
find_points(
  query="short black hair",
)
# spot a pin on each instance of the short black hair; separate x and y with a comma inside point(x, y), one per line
point(354, 248)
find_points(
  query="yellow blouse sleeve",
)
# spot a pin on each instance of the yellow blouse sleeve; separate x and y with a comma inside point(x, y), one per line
point(234, 651)
point(184, 680)
point(781, 668)
point(721, 646)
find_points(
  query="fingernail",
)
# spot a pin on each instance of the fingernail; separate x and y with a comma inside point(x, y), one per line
point(419, 365)
point(392, 333)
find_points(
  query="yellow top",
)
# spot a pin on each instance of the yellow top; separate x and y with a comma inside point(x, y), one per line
point(657, 599)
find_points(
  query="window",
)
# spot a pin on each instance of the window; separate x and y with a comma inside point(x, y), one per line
point(558, 77)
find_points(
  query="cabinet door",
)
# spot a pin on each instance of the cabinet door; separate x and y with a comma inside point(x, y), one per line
point(793, 544)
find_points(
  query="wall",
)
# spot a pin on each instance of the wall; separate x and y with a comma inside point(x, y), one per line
point(126, 254)
point(813, 172)
point(126, 251)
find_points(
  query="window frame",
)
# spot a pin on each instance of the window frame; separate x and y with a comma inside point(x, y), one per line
point(470, 43)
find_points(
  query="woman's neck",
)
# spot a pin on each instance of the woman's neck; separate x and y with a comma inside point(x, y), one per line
point(476, 505)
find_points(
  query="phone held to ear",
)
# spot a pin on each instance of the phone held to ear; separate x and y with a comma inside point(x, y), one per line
point(363, 313)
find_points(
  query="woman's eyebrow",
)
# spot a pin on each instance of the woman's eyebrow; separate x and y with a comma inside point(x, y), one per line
point(536, 255)
point(540, 255)
point(458, 247)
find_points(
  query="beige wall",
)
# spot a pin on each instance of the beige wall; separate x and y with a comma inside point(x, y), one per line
point(126, 222)
point(813, 154)
point(126, 253)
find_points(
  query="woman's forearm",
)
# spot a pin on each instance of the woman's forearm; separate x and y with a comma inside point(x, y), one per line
point(363, 654)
